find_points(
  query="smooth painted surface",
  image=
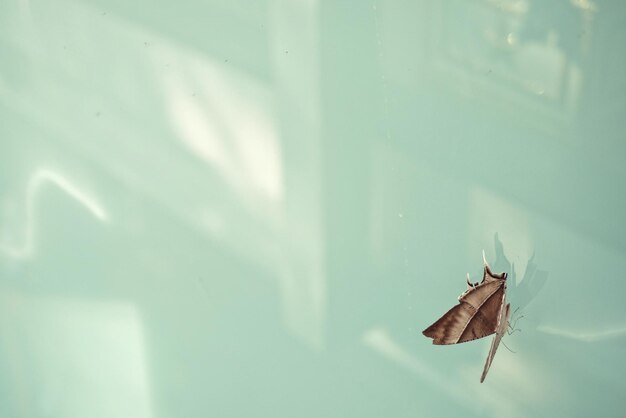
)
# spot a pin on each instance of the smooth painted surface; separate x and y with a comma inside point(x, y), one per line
point(252, 209)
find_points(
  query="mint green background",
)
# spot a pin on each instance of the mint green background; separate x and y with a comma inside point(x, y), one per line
point(252, 209)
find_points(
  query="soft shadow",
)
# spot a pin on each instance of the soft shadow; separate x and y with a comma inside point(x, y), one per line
point(521, 292)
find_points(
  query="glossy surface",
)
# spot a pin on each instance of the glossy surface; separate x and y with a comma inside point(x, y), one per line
point(232, 209)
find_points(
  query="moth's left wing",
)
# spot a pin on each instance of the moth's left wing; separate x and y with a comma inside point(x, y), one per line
point(460, 324)
point(476, 316)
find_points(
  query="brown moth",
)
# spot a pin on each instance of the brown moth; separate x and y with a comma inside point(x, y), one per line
point(482, 311)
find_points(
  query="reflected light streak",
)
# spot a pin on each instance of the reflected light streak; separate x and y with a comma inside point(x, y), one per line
point(40, 178)
point(227, 118)
point(586, 5)
point(379, 340)
point(226, 123)
point(588, 337)
point(295, 26)
point(468, 393)
point(304, 300)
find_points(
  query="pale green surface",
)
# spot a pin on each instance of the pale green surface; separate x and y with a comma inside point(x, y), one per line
point(252, 209)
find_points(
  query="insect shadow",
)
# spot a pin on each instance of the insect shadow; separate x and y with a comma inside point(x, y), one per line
point(534, 279)
point(522, 293)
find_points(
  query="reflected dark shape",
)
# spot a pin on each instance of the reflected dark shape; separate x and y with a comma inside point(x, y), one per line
point(563, 18)
point(531, 284)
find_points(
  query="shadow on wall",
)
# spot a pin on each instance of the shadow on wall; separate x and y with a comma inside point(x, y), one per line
point(521, 292)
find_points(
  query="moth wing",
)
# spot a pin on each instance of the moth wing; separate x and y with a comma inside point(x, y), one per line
point(479, 295)
point(489, 303)
point(449, 328)
point(460, 324)
point(476, 316)
point(502, 324)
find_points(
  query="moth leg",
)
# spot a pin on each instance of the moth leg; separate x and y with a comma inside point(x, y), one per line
point(507, 347)
point(512, 327)
point(516, 319)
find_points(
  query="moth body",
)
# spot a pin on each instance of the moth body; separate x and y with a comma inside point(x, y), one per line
point(482, 311)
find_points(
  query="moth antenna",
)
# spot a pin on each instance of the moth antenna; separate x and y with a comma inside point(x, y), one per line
point(508, 347)
point(485, 260)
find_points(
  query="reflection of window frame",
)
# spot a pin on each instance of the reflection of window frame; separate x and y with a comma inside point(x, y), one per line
point(499, 78)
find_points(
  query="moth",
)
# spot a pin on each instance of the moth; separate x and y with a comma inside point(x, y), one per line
point(482, 311)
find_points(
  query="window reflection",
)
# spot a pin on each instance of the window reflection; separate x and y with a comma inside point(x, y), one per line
point(527, 53)
point(223, 137)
